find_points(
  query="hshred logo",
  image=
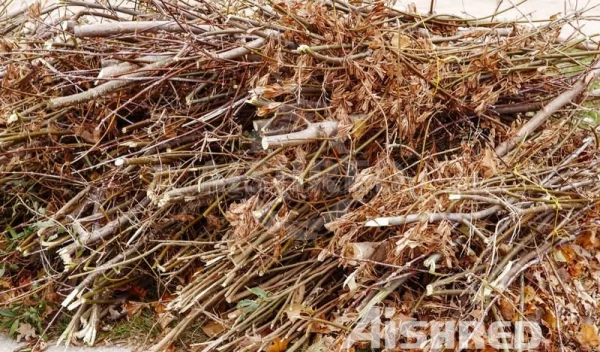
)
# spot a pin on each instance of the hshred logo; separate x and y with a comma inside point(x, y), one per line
point(440, 335)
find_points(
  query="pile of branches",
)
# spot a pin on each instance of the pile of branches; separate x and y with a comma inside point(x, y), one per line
point(271, 171)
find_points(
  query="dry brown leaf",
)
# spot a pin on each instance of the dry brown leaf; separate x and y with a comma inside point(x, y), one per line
point(133, 308)
point(50, 295)
point(549, 319)
point(213, 328)
point(295, 310)
point(488, 163)
point(529, 294)
point(364, 183)
point(35, 9)
point(507, 309)
point(25, 332)
point(268, 109)
point(138, 291)
point(164, 319)
point(183, 217)
point(278, 345)
point(400, 41)
point(588, 239)
point(588, 335)
point(87, 134)
point(564, 254)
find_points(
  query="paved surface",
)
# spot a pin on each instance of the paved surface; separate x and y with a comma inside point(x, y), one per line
point(531, 9)
point(9, 345)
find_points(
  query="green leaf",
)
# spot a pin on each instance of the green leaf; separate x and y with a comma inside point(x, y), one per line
point(259, 292)
point(7, 313)
point(17, 183)
point(13, 233)
point(42, 224)
point(248, 304)
point(13, 328)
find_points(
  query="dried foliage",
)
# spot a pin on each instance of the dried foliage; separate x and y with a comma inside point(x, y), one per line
point(273, 170)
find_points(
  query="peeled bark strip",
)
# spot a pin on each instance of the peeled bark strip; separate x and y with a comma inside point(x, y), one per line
point(116, 28)
point(313, 132)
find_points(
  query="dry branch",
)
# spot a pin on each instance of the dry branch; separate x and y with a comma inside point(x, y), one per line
point(119, 69)
point(432, 217)
point(108, 87)
point(542, 116)
point(314, 132)
point(120, 28)
point(246, 166)
point(107, 230)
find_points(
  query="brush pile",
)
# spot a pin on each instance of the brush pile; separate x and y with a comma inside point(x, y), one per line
point(269, 172)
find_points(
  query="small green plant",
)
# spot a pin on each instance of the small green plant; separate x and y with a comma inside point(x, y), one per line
point(13, 238)
point(140, 325)
point(250, 305)
point(13, 317)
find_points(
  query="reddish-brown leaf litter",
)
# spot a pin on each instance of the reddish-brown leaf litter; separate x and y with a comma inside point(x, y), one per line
point(264, 173)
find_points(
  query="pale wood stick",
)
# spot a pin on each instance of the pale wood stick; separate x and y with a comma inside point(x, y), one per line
point(117, 28)
point(313, 132)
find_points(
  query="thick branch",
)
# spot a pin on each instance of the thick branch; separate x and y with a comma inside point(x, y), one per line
point(460, 217)
point(103, 232)
point(552, 107)
point(106, 88)
point(432, 217)
point(208, 187)
point(77, 291)
point(242, 50)
point(117, 28)
point(125, 67)
point(313, 132)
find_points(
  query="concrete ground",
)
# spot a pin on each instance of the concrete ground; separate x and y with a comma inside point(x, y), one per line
point(531, 9)
point(10, 345)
